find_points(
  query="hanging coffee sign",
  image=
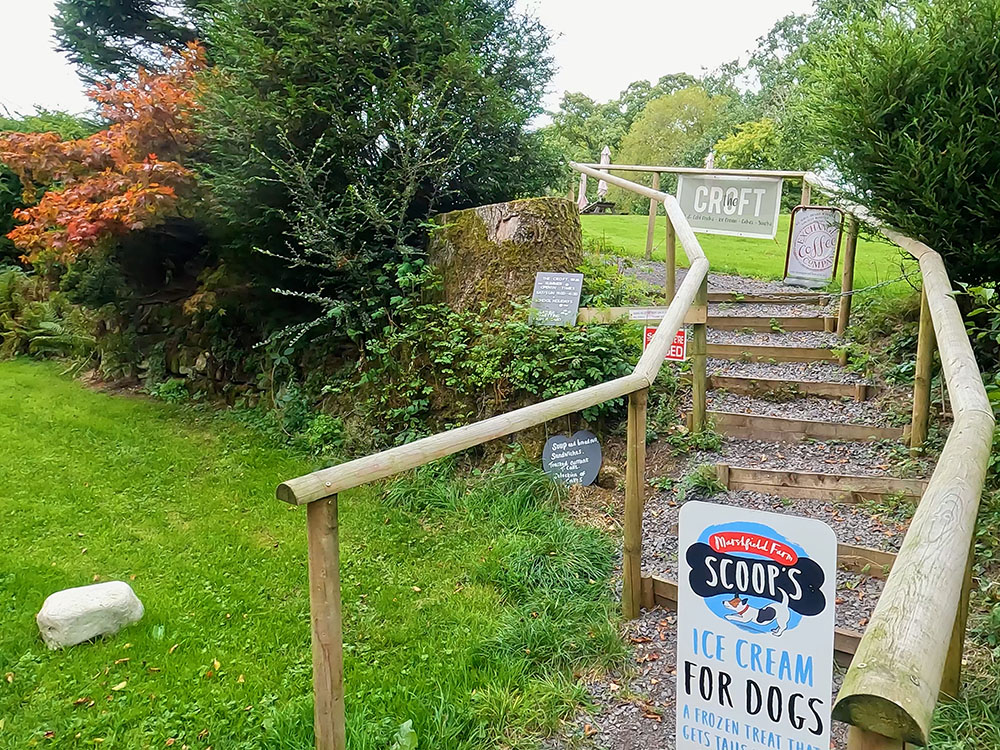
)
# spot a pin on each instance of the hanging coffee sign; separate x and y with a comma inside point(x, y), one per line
point(556, 298)
point(754, 630)
point(573, 460)
point(731, 205)
point(813, 245)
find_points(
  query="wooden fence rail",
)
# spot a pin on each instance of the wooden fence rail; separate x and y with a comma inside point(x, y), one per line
point(319, 490)
point(910, 652)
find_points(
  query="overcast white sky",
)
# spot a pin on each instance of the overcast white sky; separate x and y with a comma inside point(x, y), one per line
point(644, 38)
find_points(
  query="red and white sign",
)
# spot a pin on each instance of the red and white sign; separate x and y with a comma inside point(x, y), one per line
point(678, 349)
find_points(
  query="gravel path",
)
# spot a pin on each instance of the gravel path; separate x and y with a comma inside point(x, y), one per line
point(854, 457)
point(635, 710)
point(814, 408)
point(814, 372)
point(819, 339)
point(653, 273)
point(763, 310)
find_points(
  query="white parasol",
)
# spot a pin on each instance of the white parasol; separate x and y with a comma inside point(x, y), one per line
point(602, 186)
point(581, 196)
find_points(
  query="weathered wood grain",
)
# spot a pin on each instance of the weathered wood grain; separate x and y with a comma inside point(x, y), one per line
point(781, 429)
point(758, 386)
point(635, 483)
point(327, 627)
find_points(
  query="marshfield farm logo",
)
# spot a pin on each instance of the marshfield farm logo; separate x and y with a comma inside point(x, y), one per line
point(752, 576)
point(755, 630)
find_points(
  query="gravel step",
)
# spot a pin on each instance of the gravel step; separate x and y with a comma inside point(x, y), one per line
point(866, 459)
point(852, 524)
point(813, 372)
point(812, 408)
point(763, 310)
point(815, 339)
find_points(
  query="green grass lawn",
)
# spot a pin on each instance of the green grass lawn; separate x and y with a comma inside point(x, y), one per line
point(765, 259)
point(468, 605)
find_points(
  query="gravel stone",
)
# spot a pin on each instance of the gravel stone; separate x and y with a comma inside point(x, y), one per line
point(849, 457)
point(763, 310)
point(813, 408)
point(813, 372)
point(818, 339)
point(653, 272)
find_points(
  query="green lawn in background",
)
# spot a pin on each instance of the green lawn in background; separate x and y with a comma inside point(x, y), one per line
point(468, 619)
point(765, 259)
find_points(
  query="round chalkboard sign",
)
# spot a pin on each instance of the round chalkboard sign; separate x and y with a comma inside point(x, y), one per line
point(572, 460)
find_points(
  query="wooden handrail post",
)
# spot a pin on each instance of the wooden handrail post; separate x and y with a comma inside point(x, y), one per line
point(847, 275)
point(860, 739)
point(951, 680)
point(807, 192)
point(327, 628)
point(699, 355)
point(671, 261)
point(651, 226)
point(922, 376)
point(635, 482)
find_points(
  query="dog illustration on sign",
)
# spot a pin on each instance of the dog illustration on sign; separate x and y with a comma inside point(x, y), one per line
point(777, 613)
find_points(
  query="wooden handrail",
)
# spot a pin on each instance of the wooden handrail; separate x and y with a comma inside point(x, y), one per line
point(784, 173)
point(909, 647)
point(328, 482)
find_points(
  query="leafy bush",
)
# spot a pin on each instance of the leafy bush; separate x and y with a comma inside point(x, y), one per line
point(906, 101)
point(434, 367)
point(336, 129)
point(605, 283)
point(34, 322)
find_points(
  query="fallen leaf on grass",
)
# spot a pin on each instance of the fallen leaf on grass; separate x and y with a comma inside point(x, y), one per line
point(173, 648)
point(120, 686)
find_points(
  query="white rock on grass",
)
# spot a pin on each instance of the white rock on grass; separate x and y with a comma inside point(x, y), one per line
point(77, 615)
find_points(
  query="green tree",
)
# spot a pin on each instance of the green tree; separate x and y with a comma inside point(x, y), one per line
point(753, 145)
point(335, 128)
point(11, 190)
point(666, 133)
point(583, 127)
point(114, 37)
point(907, 104)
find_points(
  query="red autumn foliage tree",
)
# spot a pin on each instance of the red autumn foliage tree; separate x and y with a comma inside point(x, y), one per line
point(125, 178)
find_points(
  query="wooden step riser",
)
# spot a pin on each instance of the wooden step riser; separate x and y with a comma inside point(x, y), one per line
point(740, 352)
point(768, 325)
point(657, 591)
point(818, 486)
point(864, 560)
point(765, 386)
point(779, 429)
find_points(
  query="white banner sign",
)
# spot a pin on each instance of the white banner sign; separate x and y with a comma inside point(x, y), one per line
point(737, 206)
point(754, 630)
point(813, 245)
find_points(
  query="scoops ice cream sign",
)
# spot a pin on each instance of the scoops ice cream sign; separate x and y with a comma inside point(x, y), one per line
point(755, 630)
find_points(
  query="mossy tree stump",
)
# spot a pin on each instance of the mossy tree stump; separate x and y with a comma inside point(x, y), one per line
point(489, 255)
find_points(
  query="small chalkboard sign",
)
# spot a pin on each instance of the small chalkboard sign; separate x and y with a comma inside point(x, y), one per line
point(556, 298)
point(573, 460)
